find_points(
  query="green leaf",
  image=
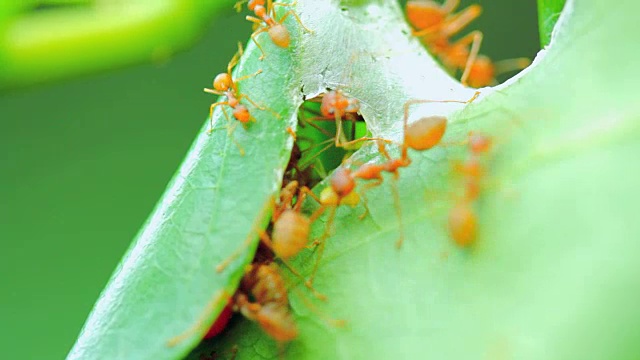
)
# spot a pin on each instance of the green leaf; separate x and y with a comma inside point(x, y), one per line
point(548, 14)
point(551, 275)
point(167, 283)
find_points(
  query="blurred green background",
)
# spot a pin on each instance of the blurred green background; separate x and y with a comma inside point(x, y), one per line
point(85, 159)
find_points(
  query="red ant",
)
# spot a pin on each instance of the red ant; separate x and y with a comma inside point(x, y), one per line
point(336, 106)
point(462, 218)
point(270, 305)
point(430, 17)
point(290, 231)
point(484, 71)
point(225, 85)
point(420, 135)
point(265, 21)
point(436, 24)
point(263, 297)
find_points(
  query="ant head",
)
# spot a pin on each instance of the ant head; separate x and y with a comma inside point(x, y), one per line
point(276, 321)
point(425, 14)
point(334, 103)
point(479, 143)
point(482, 72)
point(260, 10)
point(327, 105)
point(290, 234)
point(279, 35)
point(342, 182)
point(222, 82)
point(253, 3)
point(425, 133)
point(241, 113)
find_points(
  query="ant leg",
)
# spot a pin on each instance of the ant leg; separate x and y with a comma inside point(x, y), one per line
point(215, 92)
point(291, 12)
point(250, 238)
point(306, 283)
point(310, 306)
point(427, 31)
point(283, 4)
point(365, 201)
point(420, 101)
point(260, 107)
point(201, 323)
point(341, 142)
point(459, 21)
point(338, 130)
point(293, 134)
point(353, 127)
point(396, 199)
point(232, 128)
point(347, 145)
point(476, 38)
point(509, 65)
point(234, 60)
point(450, 5)
point(383, 150)
point(308, 161)
point(247, 76)
point(211, 113)
point(315, 126)
point(253, 37)
point(322, 242)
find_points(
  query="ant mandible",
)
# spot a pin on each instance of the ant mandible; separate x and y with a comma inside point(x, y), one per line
point(266, 22)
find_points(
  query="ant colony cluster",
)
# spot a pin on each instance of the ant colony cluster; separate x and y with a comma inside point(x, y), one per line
point(263, 294)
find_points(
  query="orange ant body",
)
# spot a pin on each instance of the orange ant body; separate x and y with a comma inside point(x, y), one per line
point(421, 135)
point(483, 71)
point(266, 22)
point(270, 306)
point(290, 231)
point(436, 24)
point(225, 85)
point(462, 218)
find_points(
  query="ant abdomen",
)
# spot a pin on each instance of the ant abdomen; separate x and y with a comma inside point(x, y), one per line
point(425, 133)
point(290, 233)
point(279, 35)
